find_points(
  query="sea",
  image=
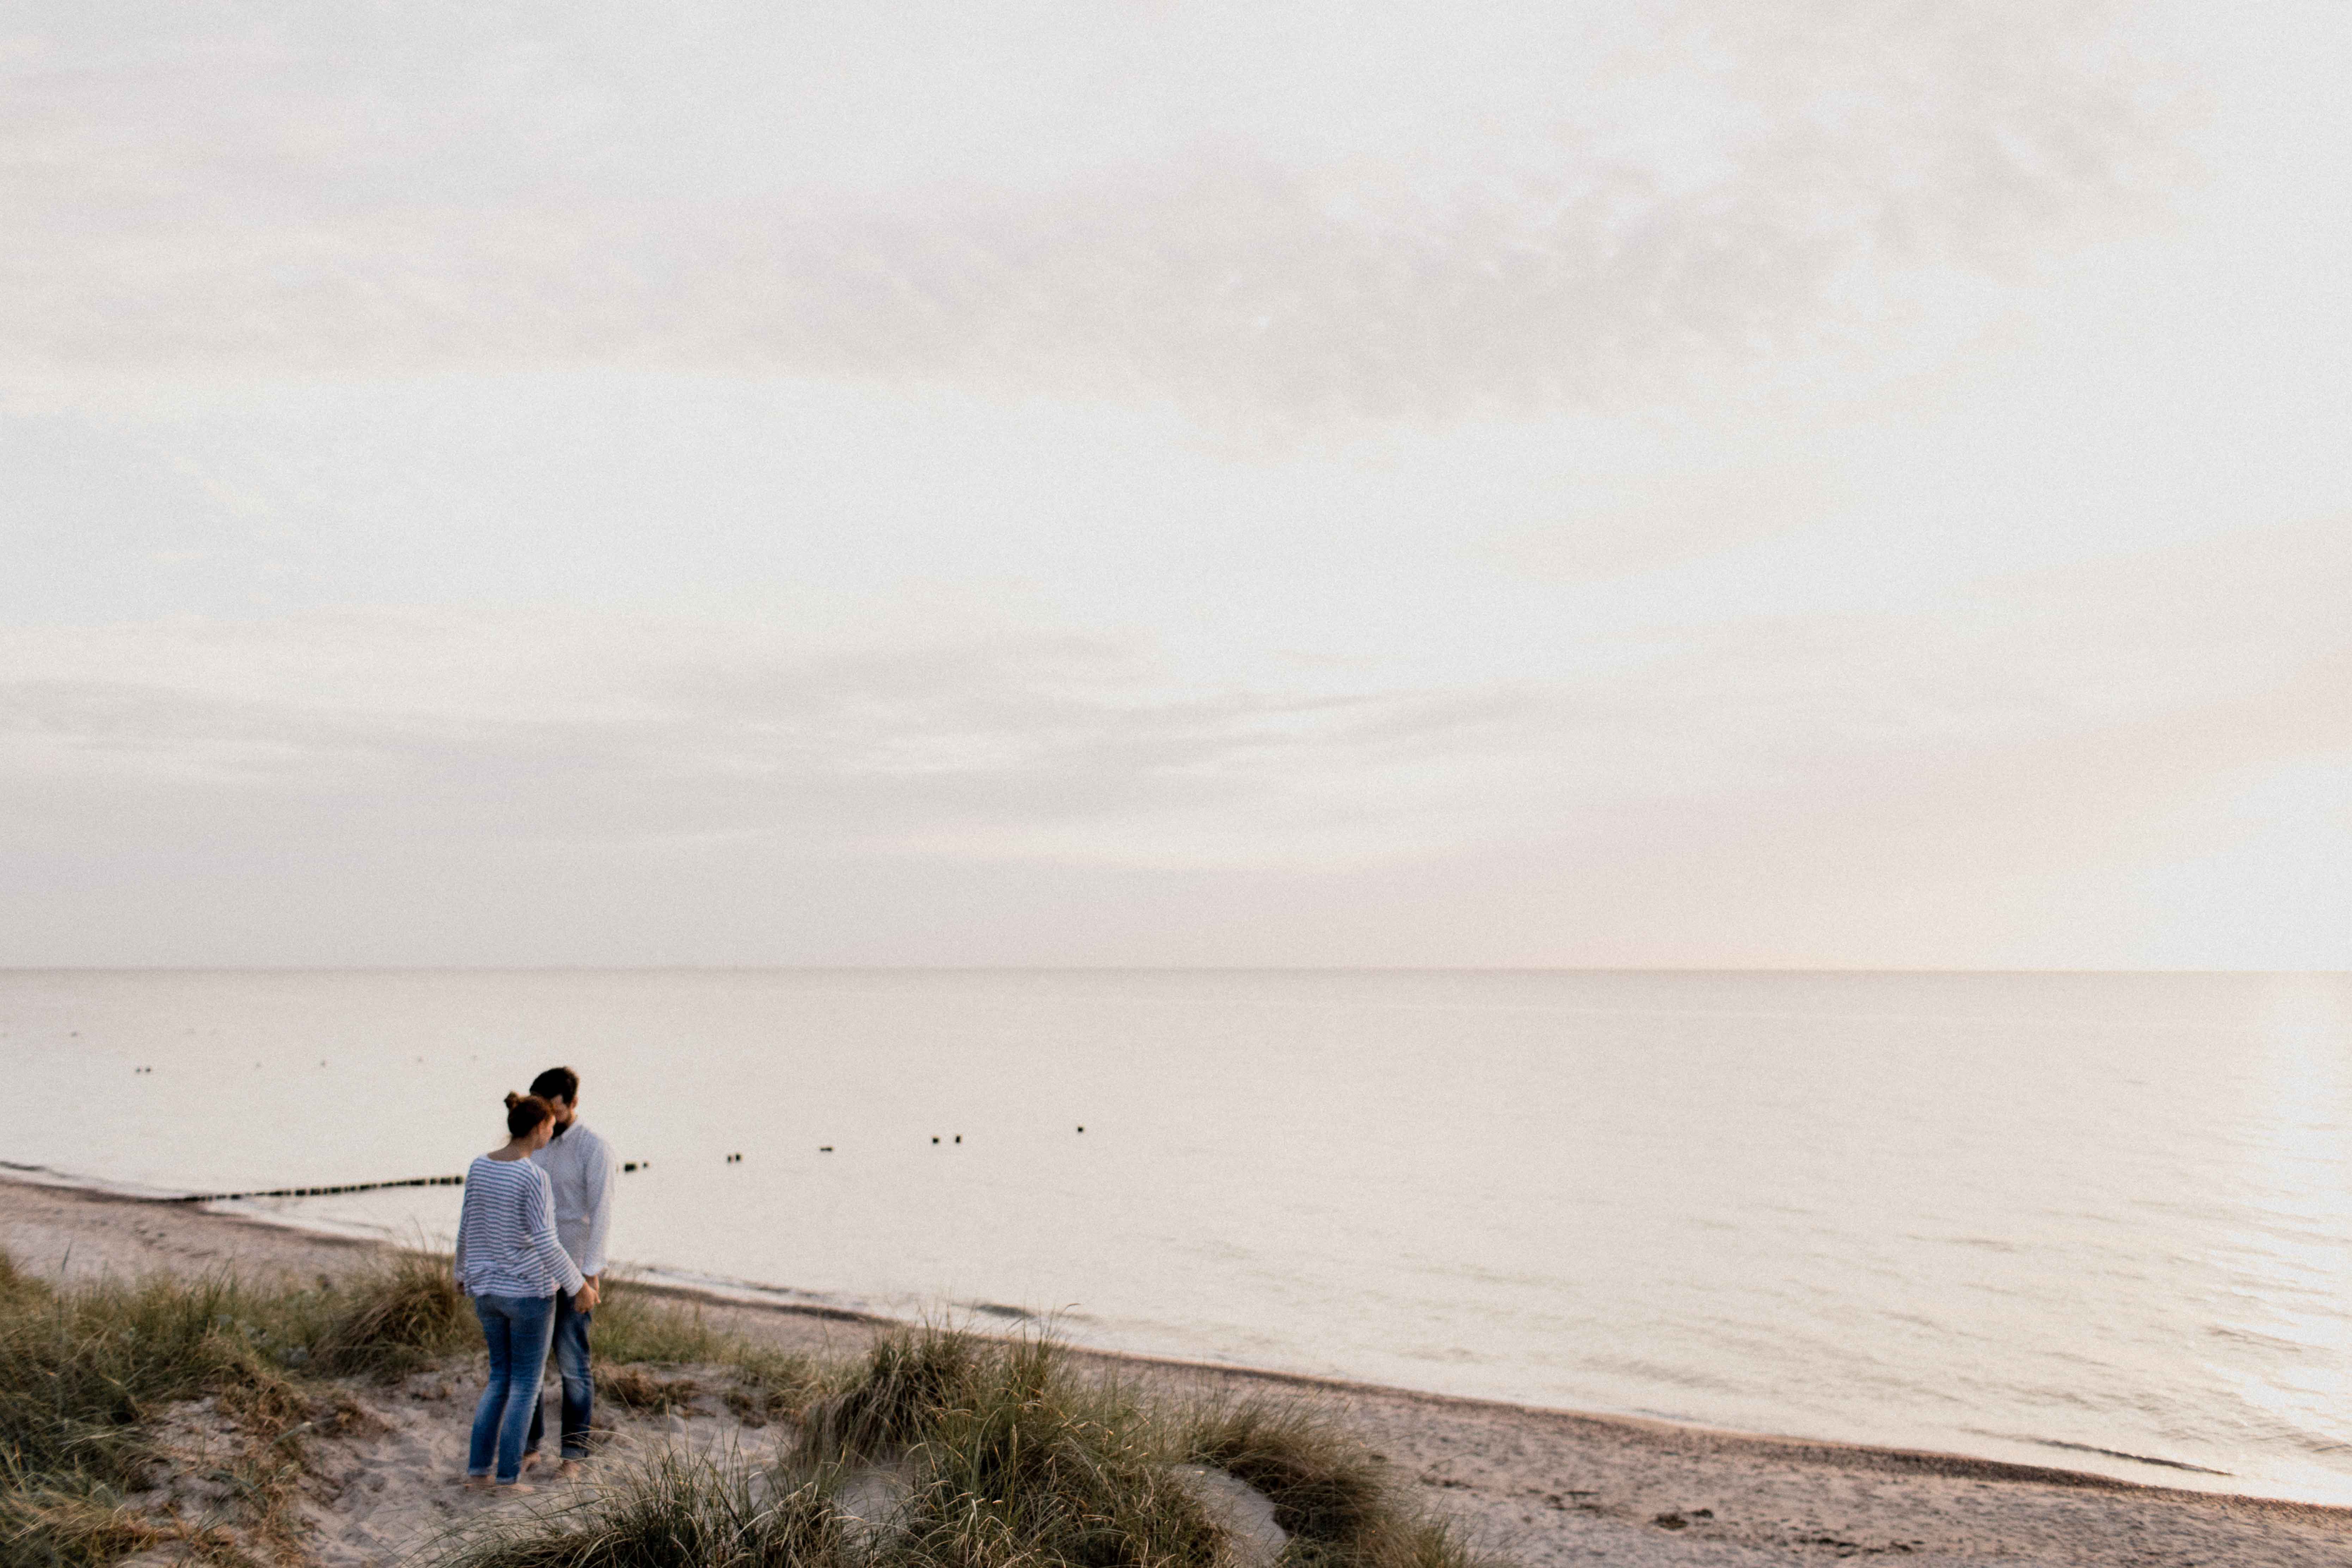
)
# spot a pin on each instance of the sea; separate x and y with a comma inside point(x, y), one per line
point(2097, 1221)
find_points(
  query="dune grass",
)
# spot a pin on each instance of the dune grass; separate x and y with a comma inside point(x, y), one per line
point(82, 1371)
point(1329, 1490)
point(672, 1512)
point(891, 1398)
point(85, 1370)
point(405, 1314)
point(635, 1331)
point(1020, 1482)
point(935, 1448)
point(1013, 1458)
point(942, 1449)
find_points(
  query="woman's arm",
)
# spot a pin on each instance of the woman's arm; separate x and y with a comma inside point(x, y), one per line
point(458, 1254)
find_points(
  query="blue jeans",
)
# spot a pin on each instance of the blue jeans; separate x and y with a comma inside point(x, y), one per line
point(579, 1386)
point(517, 1329)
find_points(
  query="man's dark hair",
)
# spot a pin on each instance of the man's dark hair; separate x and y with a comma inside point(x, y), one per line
point(557, 1081)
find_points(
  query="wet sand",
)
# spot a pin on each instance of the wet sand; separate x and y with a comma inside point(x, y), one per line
point(1542, 1486)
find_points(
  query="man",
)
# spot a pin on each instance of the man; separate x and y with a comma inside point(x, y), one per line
point(578, 1165)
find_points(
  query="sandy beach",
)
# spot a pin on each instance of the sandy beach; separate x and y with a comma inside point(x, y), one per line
point(1540, 1487)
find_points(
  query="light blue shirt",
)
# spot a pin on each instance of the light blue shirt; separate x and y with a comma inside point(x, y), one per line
point(580, 1165)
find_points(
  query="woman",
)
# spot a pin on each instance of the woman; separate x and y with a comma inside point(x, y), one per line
point(510, 1263)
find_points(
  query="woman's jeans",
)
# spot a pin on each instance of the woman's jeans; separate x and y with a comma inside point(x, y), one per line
point(517, 1328)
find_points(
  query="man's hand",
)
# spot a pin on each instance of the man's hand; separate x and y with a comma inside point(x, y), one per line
point(585, 1301)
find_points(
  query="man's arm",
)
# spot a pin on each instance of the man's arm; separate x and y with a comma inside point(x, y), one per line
point(596, 1187)
point(539, 1234)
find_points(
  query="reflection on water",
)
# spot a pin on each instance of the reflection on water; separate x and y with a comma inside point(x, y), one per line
point(2288, 1256)
point(2062, 1219)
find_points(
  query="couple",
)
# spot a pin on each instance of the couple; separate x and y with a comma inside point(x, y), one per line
point(531, 1253)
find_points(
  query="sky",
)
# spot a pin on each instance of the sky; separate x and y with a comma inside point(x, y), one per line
point(1844, 484)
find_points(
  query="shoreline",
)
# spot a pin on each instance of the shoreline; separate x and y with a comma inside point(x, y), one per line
point(293, 1242)
point(774, 1299)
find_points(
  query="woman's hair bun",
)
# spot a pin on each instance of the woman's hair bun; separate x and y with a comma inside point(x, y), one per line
point(525, 1111)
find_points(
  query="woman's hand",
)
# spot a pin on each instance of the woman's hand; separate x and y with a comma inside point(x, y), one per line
point(585, 1299)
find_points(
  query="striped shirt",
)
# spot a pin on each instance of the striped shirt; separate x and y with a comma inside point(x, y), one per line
point(506, 1232)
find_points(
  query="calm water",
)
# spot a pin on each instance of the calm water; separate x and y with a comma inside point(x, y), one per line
point(2027, 1216)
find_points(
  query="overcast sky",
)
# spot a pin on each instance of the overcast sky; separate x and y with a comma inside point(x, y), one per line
point(1833, 483)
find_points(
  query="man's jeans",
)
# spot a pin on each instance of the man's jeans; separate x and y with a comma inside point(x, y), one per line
point(579, 1386)
point(515, 1329)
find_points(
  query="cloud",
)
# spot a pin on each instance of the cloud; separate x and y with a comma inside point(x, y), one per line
point(1743, 184)
point(982, 743)
point(1668, 519)
point(584, 728)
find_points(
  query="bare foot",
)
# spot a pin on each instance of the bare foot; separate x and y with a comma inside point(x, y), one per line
point(476, 1483)
point(568, 1470)
point(511, 1488)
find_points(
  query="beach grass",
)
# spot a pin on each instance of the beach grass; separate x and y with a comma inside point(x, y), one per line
point(1011, 1457)
point(1329, 1491)
point(938, 1448)
point(403, 1314)
point(636, 1331)
point(675, 1510)
point(933, 1448)
point(82, 1373)
point(888, 1401)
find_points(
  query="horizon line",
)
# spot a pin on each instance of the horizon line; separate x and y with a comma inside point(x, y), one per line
point(1121, 969)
